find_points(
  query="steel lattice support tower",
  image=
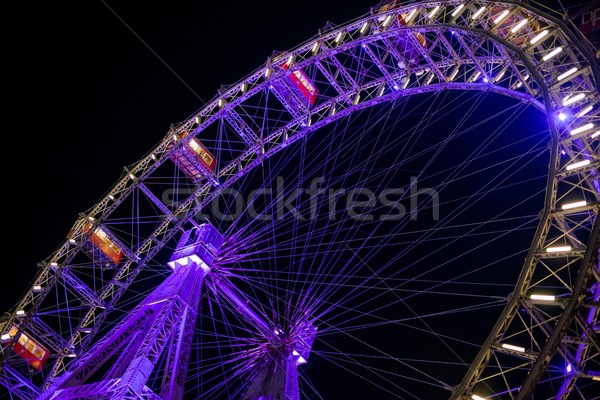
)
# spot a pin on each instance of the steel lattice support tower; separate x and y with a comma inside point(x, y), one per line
point(163, 324)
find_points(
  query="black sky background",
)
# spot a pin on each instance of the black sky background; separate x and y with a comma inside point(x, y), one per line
point(86, 97)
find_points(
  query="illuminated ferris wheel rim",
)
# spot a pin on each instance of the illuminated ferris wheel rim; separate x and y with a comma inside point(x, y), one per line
point(236, 94)
point(261, 80)
point(547, 97)
point(297, 128)
point(542, 87)
point(304, 122)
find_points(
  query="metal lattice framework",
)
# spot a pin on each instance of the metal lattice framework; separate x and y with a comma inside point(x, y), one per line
point(506, 47)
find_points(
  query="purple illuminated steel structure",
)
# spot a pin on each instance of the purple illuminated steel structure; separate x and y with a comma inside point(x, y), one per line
point(164, 322)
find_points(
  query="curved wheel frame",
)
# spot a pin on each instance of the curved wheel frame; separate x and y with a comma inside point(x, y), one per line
point(538, 61)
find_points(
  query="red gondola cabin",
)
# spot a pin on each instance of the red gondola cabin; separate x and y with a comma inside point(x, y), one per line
point(202, 154)
point(405, 47)
point(100, 239)
point(299, 79)
point(29, 349)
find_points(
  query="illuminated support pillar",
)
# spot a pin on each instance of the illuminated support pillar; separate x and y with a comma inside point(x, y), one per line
point(276, 378)
point(276, 375)
point(163, 321)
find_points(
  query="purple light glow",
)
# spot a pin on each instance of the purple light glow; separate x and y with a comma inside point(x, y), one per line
point(562, 116)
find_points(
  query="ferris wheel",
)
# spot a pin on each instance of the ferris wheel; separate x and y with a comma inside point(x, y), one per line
point(403, 206)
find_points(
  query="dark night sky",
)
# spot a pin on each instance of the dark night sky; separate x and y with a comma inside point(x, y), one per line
point(86, 97)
